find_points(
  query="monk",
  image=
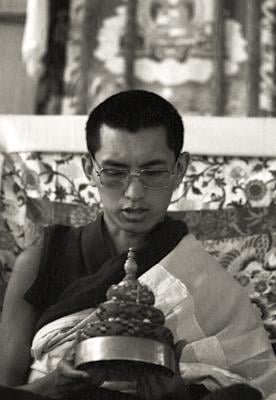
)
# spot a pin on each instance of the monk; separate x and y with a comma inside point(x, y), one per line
point(136, 161)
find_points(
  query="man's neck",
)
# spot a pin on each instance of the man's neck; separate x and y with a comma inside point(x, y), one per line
point(120, 241)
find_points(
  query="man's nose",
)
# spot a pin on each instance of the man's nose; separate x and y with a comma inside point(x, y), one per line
point(135, 189)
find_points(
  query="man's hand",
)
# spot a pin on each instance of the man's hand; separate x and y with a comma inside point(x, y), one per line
point(66, 378)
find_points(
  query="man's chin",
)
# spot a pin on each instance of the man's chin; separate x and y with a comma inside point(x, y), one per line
point(136, 226)
point(132, 226)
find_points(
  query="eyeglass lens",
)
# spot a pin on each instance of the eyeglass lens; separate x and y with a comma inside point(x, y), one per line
point(151, 179)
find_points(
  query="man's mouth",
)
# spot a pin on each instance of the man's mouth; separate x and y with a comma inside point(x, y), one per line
point(134, 213)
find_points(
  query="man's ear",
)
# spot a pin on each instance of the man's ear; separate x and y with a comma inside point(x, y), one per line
point(87, 166)
point(182, 165)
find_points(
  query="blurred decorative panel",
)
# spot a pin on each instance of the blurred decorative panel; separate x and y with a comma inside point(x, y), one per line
point(175, 52)
point(214, 57)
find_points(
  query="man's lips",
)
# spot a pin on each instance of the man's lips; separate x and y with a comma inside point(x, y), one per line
point(135, 209)
point(134, 212)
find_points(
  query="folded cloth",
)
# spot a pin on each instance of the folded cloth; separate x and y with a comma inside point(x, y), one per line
point(60, 331)
point(212, 377)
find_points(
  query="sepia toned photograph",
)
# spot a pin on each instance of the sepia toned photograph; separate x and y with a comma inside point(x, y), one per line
point(138, 199)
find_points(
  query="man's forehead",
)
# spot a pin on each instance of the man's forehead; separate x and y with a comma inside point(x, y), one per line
point(106, 129)
point(146, 147)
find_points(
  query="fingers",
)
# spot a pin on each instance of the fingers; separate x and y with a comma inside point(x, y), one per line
point(70, 353)
point(66, 365)
point(66, 368)
point(67, 379)
point(67, 371)
point(69, 375)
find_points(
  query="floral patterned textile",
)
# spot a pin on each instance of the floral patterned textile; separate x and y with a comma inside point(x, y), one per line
point(228, 203)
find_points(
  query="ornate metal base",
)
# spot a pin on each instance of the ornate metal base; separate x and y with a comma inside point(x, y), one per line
point(122, 348)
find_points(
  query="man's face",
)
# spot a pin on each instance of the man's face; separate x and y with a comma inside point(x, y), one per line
point(134, 208)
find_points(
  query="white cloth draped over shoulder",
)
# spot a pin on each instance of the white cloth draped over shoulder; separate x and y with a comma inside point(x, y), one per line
point(202, 304)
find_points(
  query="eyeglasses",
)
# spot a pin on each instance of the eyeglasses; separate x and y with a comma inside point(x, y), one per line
point(120, 178)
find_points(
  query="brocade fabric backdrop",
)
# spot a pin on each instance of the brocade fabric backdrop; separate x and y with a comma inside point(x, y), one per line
point(229, 203)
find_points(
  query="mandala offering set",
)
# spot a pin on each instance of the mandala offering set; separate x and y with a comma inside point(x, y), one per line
point(129, 335)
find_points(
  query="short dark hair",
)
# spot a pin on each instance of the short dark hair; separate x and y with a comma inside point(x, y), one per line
point(133, 110)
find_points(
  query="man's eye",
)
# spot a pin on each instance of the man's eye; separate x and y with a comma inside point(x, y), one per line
point(114, 173)
point(154, 173)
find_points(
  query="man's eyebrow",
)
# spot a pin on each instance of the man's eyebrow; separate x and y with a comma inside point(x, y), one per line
point(154, 163)
point(119, 164)
point(114, 163)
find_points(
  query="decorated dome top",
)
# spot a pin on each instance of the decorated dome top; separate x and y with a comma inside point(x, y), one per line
point(130, 289)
